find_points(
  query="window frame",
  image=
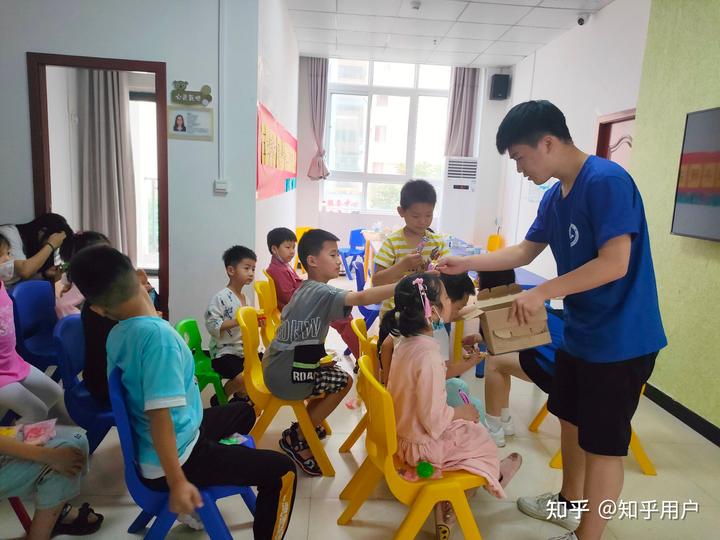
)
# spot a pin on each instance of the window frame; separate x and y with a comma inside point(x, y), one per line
point(369, 90)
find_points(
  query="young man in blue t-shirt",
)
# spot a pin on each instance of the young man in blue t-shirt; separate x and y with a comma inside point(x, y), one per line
point(177, 443)
point(594, 222)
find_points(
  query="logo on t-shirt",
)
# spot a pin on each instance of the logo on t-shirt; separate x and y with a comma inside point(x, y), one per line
point(574, 234)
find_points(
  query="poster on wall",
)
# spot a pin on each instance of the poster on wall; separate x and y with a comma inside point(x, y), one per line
point(192, 123)
point(276, 158)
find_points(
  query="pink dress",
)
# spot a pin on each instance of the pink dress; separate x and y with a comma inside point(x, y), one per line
point(12, 367)
point(425, 426)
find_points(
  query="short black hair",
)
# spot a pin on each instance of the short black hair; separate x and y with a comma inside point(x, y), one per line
point(4, 241)
point(104, 276)
point(278, 236)
point(235, 254)
point(527, 123)
point(417, 191)
point(457, 286)
point(490, 280)
point(80, 241)
point(312, 242)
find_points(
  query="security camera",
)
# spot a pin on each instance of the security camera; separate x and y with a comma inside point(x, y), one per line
point(583, 18)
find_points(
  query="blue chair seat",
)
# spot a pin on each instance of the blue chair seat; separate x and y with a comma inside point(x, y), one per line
point(41, 345)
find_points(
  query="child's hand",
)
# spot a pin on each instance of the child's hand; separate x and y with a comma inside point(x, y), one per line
point(56, 239)
point(412, 261)
point(467, 411)
point(476, 357)
point(184, 498)
point(67, 460)
point(469, 341)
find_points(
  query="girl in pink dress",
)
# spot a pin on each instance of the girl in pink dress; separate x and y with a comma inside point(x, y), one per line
point(449, 438)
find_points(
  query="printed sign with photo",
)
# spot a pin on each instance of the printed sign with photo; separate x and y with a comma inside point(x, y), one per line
point(190, 123)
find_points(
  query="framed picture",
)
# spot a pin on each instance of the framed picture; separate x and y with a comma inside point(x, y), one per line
point(193, 123)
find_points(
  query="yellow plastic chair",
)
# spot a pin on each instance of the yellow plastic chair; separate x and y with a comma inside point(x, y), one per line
point(268, 305)
point(368, 347)
point(268, 403)
point(646, 465)
point(299, 232)
point(420, 496)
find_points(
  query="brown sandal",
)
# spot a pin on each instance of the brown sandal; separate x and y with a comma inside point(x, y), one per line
point(81, 525)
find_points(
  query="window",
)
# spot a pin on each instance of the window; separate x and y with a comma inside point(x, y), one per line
point(386, 123)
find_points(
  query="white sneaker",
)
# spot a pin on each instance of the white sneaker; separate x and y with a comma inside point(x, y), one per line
point(191, 520)
point(498, 436)
point(539, 508)
point(508, 427)
point(567, 536)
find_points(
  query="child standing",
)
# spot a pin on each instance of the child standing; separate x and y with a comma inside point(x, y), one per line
point(226, 346)
point(281, 243)
point(414, 247)
point(292, 363)
point(177, 442)
point(449, 438)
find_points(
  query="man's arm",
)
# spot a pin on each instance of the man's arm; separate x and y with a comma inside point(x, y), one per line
point(373, 295)
point(503, 259)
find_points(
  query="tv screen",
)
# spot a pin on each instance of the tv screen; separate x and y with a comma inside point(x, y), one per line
point(697, 198)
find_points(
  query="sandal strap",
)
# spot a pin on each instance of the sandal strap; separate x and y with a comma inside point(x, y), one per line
point(83, 513)
point(64, 512)
point(295, 443)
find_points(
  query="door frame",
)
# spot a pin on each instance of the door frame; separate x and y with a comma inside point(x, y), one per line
point(40, 140)
point(604, 127)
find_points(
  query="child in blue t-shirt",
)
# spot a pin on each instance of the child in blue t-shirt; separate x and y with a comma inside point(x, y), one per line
point(594, 222)
point(177, 442)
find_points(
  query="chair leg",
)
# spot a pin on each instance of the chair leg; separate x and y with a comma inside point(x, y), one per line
point(161, 525)
point(641, 457)
point(356, 481)
point(248, 496)
point(140, 522)
point(266, 417)
point(96, 435)
point(22, 515)
point(327, 427)
point(419, 511)
point(539, 417)
point(212, 519)
point(370, 319)
point(556, 461)
point(348, 273)
point(355, 435)
point(220, 392)
point(467, 522)
point(316, 447)
point(369, 481)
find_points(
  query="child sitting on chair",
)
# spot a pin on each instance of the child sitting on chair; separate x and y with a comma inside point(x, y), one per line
point(177, 443)
point(449, 438)
point(281, 243)
point(291, 366)
point(226, 347)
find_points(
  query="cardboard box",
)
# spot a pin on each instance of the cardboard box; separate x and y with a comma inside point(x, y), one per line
point(502, 335)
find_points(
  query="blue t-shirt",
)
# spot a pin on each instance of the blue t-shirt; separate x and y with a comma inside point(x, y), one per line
point(158, 373)
point(619, 320)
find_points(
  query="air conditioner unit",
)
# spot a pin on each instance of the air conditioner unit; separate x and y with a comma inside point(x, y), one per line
point(459, 197)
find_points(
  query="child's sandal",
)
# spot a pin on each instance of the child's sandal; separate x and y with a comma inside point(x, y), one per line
point(293, 449)
point(319, 430)
point(81, 525)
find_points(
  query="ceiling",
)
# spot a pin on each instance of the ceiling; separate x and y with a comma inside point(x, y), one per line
point(474, 33)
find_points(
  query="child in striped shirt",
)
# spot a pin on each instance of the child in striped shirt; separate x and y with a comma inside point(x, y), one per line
point(414, 247)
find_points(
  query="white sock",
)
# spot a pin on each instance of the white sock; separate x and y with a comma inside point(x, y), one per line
point(505, 414)
point(494, 422)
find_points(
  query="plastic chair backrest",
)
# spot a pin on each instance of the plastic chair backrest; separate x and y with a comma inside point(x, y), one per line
point(253, 374)
point(189, 331)
point(34, 307)
point(271, 282)
point(359, 275)
point(381, 440)
point(366, 347)
point(268, 303)
point(357, 240)
point(69, 338)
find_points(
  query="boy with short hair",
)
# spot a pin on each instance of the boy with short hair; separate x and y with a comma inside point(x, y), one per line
point(291, 365)
point(281, 243)
point(594, 221)
point(177, 443)
point(415, 246)
point(226, 347)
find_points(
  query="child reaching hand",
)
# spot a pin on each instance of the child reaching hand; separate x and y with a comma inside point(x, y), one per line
point(449, 438)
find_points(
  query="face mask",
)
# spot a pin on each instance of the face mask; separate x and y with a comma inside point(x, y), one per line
point(7, 270)
point(441, 336)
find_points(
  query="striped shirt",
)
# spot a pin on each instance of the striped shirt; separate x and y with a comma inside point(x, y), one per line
point(395, 247)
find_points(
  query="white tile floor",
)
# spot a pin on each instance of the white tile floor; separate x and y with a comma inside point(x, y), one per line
point(687, 467)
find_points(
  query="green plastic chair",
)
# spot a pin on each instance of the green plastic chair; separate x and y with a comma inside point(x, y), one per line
point(204, 372)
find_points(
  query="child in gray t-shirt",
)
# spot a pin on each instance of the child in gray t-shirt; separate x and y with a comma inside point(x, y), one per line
point(291, 366)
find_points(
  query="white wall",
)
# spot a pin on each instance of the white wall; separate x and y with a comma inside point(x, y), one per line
point(277, 83)
point(64, 142)
point(587, 72)
point(184, 35)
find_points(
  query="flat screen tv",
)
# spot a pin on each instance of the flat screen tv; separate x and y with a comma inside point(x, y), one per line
point(697, 198)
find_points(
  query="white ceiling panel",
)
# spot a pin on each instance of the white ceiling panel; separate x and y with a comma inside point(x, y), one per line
point(438, 10)
point(420, 27)
point(363, 23)
point(400, 41)
point(362, 39)
point(492, 60)
point(369, 7)
point(511, 2)
point(316, 34)
point(323, 50)
point(550, 18)
point(312, 5)
point(589, 5)
point(530, 34)
point(463, 45)
point(361, 53)
point(512, 48)
point(494, 14)
point(313, 19)
point(451, 59)
point(477, 31)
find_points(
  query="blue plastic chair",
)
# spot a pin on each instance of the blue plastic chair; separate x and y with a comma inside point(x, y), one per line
point(369, 313)
point(155, 503)
point(95, 417)
point(356, 249)
point(35, 319)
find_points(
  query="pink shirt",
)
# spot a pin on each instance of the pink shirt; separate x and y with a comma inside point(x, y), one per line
point(286, 281)
point(12, 367)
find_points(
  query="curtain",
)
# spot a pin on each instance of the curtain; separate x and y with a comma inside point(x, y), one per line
point(463, 108)
point(107, 180)
point(318, 77)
